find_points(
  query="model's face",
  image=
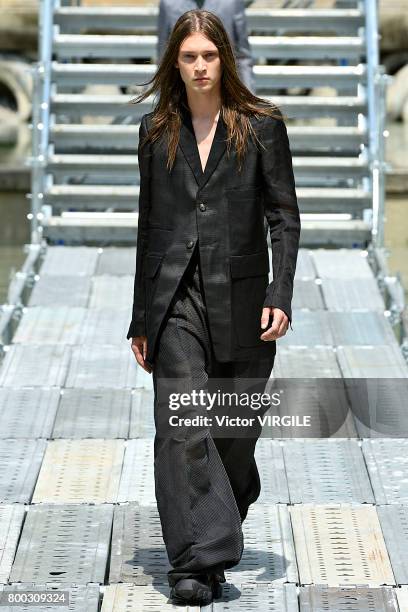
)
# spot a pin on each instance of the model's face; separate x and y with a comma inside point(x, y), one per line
point(199, 63)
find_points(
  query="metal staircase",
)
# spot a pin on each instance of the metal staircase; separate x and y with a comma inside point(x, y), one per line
point(85, 182)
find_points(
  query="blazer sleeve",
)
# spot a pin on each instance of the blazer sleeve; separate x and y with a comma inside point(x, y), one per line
point(281, 211)
point(242, 48)
point(138, 326)
point(163, 30)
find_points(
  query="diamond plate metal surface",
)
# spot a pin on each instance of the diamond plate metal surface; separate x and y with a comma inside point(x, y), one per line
point(340, 545)
point(80, 471)
point(64, 544)
point(20, 462)
point(309, 329)
point(305, 362)
point(345, 294)
point(81, 598)
point(355, 599)
point(142, 414)
point(76, 260)
point(50, 290)
point(384, 361)
point(50, 325)
point(137, 479)
point(35, 365)
point(325, 471)
point(117, 261)
point(357, 328)
point(307, 294)
point(271, 468)
point(338, 263)
point(28, 412)
point(11, 519)
point(105, 326)
point(103, 366)
point(93, 413)
point(138, 553)
point(394, 523)
point(111, 291)
point(387, 464)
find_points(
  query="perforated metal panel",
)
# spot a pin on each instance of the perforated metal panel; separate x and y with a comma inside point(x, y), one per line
point(324, 471)
point(28, 412)
point(387, 463)
point(52, 290)
point(93, 413)
point(11, 519)
point(20, 462)
point(394, 523)
point(306, 294)
point(111, 291)
point(35, 365)
point(105, 326)
point(117, 261)
point(345, 294)
point(271, 468)
point(103, 365)
point(305, 362)
point(340, 545)
point(142, 414)
point(384, 361)
point(138, 554)
point(338, 263)
point(310, 328)
point(76, 261)
point(81, 598)
point(64, 544)
point(50, 325)
point(80, 471)
point(269, 553)
point(137, 478)
point(357, 328)
point(355, 599)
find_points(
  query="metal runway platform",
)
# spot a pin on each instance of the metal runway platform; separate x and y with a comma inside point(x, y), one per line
point(77, 503)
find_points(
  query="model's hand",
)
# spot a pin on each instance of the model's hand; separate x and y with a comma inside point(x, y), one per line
point(279, 325)
point(139, 348)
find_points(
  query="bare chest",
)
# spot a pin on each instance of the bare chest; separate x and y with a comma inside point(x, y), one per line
point(204, 137)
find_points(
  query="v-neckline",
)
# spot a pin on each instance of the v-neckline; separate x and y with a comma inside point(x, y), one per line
point(212, 143)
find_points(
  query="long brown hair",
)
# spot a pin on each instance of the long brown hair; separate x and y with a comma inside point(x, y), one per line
point(238, 102)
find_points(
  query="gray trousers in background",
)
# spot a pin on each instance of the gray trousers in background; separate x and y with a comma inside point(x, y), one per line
point(203, 484)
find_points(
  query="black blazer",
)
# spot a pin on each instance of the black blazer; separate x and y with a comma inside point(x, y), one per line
point(228, 214)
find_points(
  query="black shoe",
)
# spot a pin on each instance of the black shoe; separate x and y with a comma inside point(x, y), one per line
point(200, 590)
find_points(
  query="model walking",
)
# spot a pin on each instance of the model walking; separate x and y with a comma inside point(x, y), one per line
point(215, 173)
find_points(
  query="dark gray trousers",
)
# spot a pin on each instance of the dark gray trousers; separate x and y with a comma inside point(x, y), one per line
point(204, 484)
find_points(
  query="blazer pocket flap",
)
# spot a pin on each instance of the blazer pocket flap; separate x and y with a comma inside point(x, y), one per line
point(152, 263)
point(256, 264)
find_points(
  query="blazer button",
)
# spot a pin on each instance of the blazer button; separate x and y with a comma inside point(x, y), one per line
point(190, 244)
point(202, 206)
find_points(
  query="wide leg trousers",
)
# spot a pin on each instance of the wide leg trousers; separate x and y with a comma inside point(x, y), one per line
point(204, 484)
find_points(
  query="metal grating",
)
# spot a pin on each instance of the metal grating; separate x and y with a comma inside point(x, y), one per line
point(93, 413)
point(105, 326)
point(11, 519)
point(137, 479)
point(269, 553)
point(305, 362)
point(64, 544)
point(142, 414)
point(80, 471)
point(384, 361)
point(117, 261)
point(104, 366)
point(76, 260)
point(35, 365)
point(338, 263)
point(50, 325)
point(62, 291)
point(357, 328)
point(306, 294)
point(394, 523)
point(354, 599)
point(138, 552)
point(345, 294)
point(387, 463)
point(28, 412)
point(81, 598)
point(20, 462)
point(271, 468)
point(340, 545)
point(309, 329)
point(325, 471)
point(111, 291)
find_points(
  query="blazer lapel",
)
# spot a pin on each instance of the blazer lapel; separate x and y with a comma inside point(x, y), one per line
point(189, 147)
